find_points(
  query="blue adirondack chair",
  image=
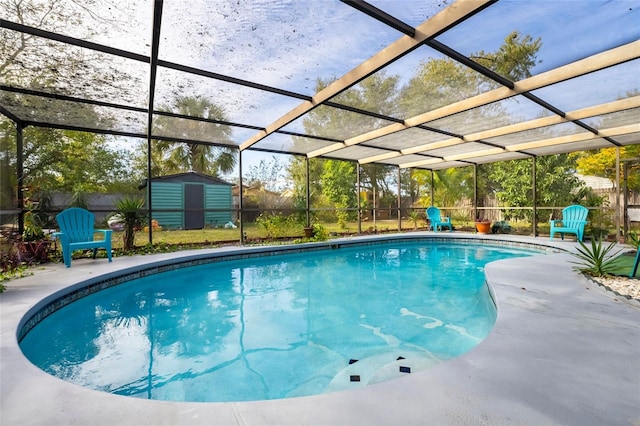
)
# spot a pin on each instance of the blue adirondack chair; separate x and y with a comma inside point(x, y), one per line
point(634, 268)
point(77, 233)
point(433, 213)
point(574, 218)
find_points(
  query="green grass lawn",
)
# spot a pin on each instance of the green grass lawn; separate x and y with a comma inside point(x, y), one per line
point(626, 263)
point(174, 237)
point(252, 231)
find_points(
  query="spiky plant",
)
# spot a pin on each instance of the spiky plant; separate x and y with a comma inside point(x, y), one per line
point(597, 260)
point(132, 212)
point(414, 216)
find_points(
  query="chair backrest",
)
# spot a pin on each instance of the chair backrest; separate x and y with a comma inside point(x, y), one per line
point(76, 223)
point(434, 214)
point(574, 216)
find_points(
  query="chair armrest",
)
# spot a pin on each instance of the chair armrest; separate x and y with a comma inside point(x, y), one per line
point(64, 238)
point(105, 232)
point(445, 219)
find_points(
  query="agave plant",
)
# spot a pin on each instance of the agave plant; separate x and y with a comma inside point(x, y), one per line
point(132, 215)
point(597, 260)
point(414, 216)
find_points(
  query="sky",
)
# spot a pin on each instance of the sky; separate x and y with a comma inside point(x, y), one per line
point(289, 44)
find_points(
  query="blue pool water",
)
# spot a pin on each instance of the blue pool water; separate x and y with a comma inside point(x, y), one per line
point(274, 327)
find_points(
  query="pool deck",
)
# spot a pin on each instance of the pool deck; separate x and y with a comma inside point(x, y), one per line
point(564, 351)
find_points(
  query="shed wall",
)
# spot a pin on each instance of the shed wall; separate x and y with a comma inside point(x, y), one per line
point(217, 197)
point(170, 195)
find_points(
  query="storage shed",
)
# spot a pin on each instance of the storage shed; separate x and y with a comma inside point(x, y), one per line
point(188, 201)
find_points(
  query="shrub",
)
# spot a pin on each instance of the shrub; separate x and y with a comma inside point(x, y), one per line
point(275, 225)
point(32, 229)
point(319, 232)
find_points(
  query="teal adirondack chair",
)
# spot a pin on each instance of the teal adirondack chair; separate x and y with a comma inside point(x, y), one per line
point(433, 213)
point(634, 268)
point(77, 233)
point(574, 218)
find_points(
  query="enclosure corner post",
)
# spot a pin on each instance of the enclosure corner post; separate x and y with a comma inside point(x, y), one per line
point(308, 193)
point(534, 195)
point(153, 70)
point(358, 200)
point(240, 191)
point(475, 192)
point(20, 175)
point(399, 200)
point(618, 215)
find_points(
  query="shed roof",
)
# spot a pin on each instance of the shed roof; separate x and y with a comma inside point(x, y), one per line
point(188, 177)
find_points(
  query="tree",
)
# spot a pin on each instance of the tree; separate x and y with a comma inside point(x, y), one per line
point(7, 157)
point(177, 157)
point(514, 58)
point(603, 163)
point(441, 81)
point(436, 83)
point(56, 159)
point(267, 174)
point(452, 185)
point(86, 161)
point(297, 174)
point(65, 160)
point(410, 185)
point(338, 185)
point(556, 184)
point(37, 63)
point(376, 93)
point(378, 178)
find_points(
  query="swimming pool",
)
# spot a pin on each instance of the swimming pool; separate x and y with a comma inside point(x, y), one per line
point(275, 327)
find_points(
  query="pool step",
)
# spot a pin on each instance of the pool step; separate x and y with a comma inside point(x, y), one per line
point(379, 368)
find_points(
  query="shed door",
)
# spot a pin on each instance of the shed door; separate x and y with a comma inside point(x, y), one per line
point(193, 206)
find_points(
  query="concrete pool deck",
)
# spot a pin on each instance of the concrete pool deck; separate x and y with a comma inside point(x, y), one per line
point(563, 351)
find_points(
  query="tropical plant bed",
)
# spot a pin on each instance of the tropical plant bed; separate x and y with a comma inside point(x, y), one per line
point(33, 251)
point(610, 270)
point(624, 286)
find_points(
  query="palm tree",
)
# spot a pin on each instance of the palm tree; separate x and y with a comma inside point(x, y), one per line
point(181, 157)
